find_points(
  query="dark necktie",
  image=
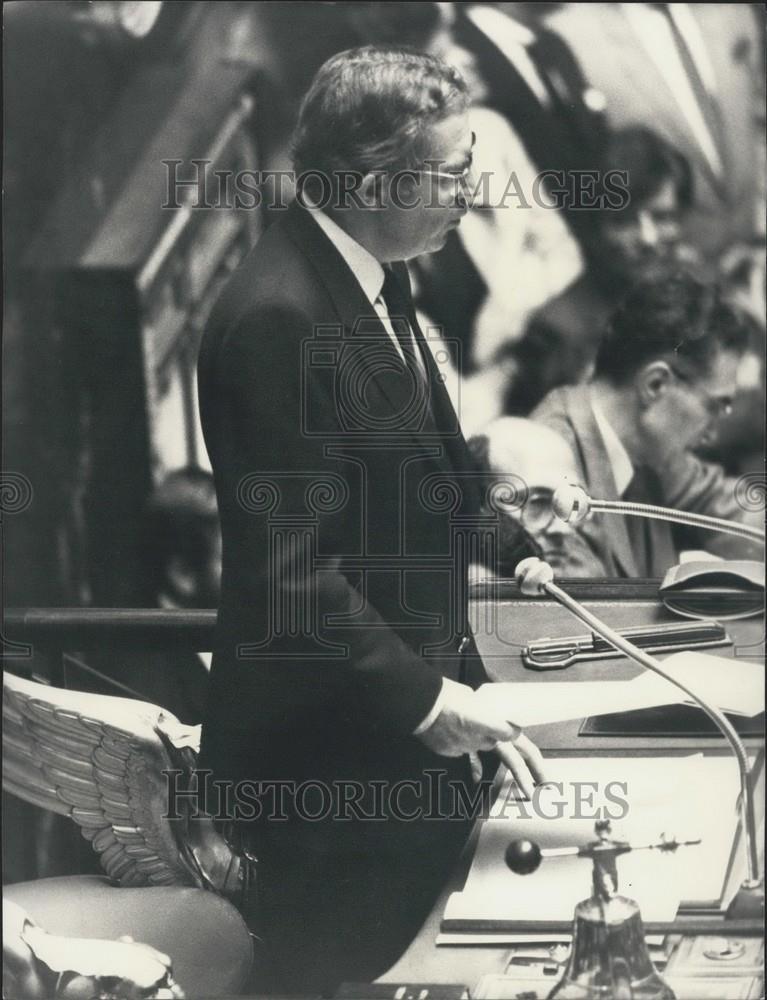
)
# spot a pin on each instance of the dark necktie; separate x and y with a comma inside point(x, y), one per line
point(545, 53)
point(399, 306)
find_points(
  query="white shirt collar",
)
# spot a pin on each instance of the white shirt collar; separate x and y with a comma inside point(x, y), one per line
point(493, 20)
point(512, 39)
point(363, 265)
point(620, 463)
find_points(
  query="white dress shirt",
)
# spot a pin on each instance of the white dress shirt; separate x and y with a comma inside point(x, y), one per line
point(367, 270)
point(370, 274)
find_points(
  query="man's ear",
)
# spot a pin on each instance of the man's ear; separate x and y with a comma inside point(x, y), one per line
point(181, 577)
point(653, 382)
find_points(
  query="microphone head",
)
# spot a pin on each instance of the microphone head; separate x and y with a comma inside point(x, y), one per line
point(532, 574)
point(571, 503)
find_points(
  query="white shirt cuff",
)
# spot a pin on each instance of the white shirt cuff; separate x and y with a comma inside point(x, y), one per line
point(436, 708)
point(439, 704)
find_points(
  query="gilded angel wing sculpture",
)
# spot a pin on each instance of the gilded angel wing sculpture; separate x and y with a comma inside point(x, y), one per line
point(100, 760)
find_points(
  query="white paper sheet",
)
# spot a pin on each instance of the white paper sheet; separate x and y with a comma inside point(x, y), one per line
point(687, 797)
point(731, 684)
point(736, 686)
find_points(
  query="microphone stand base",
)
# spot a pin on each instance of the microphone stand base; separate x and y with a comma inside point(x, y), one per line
point(748, 902)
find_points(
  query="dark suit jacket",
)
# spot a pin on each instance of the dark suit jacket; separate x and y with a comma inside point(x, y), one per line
point(566, 135)
point(614, 60)
point(343, 502)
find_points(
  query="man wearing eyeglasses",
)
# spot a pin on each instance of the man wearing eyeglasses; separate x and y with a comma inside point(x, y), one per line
point(525, 463)
point(344, 669)
point(665, 378)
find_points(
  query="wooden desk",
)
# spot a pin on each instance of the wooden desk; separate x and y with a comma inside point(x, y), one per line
point(502, 627)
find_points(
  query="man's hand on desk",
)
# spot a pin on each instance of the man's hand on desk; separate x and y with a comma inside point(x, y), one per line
point(468, 722)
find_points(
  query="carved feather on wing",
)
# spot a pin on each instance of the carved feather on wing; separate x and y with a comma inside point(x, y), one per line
point(100, 760)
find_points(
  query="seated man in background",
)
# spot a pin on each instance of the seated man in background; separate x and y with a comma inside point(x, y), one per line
point(639, 240)
point(181, 556)
point(665, 377)
point(525, 463)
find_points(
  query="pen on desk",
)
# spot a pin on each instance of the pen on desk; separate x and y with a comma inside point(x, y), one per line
point(556, 654)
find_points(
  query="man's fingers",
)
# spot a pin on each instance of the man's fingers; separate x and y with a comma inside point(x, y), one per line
point(476, 768)
point(533, 756)
point(515, 762)
point(498, 732)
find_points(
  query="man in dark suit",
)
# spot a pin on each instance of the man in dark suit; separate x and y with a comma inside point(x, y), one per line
point(344, 666)
point(535, 82)
point(694, 73)
point(665, 378)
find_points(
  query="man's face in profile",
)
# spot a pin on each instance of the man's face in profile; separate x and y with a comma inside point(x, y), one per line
point(426, 204)
point(542, 465)
point(640, 241)
point(689, 413)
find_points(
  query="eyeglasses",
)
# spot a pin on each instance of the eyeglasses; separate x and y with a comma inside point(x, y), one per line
point(717, 406)
point(458, 180)
point(537, 513)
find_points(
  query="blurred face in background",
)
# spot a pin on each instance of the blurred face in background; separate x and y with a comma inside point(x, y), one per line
point(642, 240)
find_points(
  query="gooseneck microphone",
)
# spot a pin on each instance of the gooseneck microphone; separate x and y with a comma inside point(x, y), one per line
point(535, 578)
point(571, 503)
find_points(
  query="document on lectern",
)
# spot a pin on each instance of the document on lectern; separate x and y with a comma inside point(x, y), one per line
point(734, 686)
point(645, 798)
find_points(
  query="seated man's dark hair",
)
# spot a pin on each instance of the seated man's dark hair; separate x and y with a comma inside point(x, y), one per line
point(648, 161)
point(675, 318)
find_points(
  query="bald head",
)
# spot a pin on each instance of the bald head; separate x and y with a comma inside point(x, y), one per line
point(518, 451)
point(533, 452)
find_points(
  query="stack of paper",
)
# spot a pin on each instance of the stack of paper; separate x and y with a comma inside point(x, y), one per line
point(645, 797)
point(735, 686)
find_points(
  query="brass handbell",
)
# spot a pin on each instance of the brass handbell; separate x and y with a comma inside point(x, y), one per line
point(608, 959)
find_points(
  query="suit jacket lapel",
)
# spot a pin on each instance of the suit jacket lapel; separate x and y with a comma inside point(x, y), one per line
point(599, 475)
point(362, 327)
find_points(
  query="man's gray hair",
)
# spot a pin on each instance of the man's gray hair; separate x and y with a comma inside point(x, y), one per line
point(369, 109)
